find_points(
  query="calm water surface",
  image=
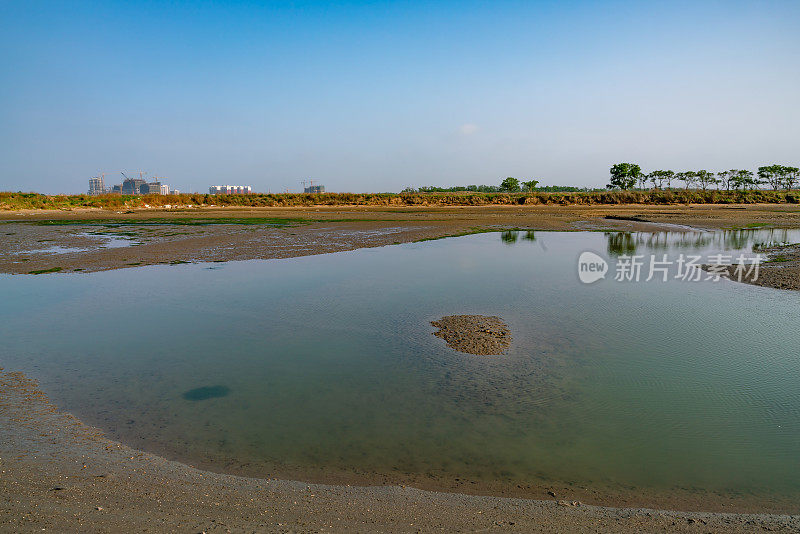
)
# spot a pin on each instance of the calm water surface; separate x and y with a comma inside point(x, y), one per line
point(328, 363)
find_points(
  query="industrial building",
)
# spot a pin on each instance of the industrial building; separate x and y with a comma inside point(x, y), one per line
point(97, 186)
point(230, 190)
point(311, 188)
point(134, 186)
point(131, 186)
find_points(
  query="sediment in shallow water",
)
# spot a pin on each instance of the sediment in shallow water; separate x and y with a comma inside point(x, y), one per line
point(474, 334)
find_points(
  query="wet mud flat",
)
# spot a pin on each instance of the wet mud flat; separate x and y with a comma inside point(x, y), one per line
point(779, 270)
point(46, 247)
point(42, 242)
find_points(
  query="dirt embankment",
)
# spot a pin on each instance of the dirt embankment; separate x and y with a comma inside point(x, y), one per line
point(15, 201)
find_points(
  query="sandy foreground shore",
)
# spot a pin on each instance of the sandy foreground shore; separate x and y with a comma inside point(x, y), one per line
point(56, 473)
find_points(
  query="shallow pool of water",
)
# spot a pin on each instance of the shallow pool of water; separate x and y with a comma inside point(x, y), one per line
point(329, 363)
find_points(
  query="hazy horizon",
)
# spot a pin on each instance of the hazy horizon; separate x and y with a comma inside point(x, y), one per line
point(384, 95)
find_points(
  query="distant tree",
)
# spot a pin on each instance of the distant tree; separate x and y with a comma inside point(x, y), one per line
point(751, 181)
point(654, 179)
point(530, 185)
point(563, 189)
point(791, 176)
point(771, 175)
point(659, 177)
point(668, 176)
point(705, 178)
point(459, 188)
point(780, 170)
point(725, 178)
point(510, 185)
point(743, 179)
point(409, 190)
point(687, 177)
point(738, 178)
point(624, 176)
point(643, 178)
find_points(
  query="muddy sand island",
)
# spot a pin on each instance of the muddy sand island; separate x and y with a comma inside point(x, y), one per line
point(474, 334)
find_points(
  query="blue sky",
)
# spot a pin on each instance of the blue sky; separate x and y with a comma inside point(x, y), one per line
point(377, 96)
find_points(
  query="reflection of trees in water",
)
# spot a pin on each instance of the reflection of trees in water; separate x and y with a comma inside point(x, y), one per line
point(673, 240)
point(509, 236)
point(746, 238)
point(629, 242)
point(512, 236)
point(761, 238)
point(735, 239)
point(685, 240)
point(621, 243)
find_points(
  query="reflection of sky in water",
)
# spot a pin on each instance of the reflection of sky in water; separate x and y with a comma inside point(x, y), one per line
point(55, 249)
point(329, 362)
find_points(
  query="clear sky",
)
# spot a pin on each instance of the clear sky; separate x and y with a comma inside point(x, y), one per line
point(377, 96)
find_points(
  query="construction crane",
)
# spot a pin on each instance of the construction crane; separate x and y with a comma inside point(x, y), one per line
point(141, 175)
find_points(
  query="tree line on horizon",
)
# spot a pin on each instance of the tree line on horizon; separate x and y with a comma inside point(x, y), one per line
point(508, 185)
point(627, 175)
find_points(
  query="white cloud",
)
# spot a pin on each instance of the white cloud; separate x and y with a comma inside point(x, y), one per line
point(468, 129)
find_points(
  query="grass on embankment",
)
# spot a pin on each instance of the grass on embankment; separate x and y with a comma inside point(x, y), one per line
point(21, 201)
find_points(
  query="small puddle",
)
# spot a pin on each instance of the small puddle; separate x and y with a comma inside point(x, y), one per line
point(55, 249)
point(109, 241)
